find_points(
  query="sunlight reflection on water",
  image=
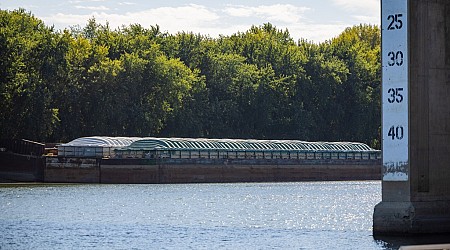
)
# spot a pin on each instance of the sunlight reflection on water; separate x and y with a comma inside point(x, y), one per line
point(308, 215)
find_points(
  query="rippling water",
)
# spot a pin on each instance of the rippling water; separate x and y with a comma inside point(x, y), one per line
point(303, 215)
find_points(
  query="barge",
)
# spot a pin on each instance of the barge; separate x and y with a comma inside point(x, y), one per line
point(187, 160)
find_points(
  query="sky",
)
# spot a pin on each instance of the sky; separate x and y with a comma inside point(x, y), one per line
point(314, 20)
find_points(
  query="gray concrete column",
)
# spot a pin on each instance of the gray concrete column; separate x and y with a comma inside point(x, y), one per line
point(421, 204)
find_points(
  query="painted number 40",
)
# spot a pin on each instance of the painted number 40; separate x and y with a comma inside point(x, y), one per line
point(396, 132)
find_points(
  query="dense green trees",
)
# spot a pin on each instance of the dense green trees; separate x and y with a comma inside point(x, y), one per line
point(136, 81)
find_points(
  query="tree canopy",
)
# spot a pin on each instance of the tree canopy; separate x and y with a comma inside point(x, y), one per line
point(137, 81)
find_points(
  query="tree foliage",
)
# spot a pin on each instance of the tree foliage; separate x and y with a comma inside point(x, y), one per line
point(136, 81)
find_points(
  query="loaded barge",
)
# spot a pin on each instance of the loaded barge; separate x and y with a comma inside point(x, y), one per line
point(101, 159)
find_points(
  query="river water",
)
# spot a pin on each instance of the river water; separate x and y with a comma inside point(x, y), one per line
point(301, 215)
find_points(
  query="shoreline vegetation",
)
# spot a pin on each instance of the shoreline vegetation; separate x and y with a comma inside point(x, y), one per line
point(139, 81)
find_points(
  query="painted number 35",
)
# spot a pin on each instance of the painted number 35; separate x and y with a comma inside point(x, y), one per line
point(395, 95)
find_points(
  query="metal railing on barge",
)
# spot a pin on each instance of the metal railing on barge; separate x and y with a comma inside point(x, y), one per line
point(247, 154)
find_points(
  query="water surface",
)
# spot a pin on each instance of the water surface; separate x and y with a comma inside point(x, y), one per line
point(302, 215)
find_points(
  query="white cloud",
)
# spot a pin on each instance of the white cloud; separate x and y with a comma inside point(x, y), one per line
point(293, 18)
point(211, 21)
point(278, 12)
point(358, 4)
point(367, 19)
point(126, 3)
point(85, 1)
point(316, 32)
point(363, 7)
point(91, 7)
point(172, 19)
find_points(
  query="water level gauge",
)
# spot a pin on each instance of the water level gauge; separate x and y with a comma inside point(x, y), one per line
point(394, 32)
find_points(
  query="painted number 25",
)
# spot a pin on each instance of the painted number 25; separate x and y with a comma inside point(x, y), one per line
point(395, 21)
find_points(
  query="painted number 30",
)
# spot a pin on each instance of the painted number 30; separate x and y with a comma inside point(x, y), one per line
point(395, 58)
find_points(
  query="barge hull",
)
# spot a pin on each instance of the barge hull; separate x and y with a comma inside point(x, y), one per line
point(86, 170)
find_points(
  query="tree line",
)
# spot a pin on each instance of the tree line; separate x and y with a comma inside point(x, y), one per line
point(57, 85)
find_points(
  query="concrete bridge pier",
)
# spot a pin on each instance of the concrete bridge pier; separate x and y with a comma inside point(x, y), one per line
point(421, 203)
